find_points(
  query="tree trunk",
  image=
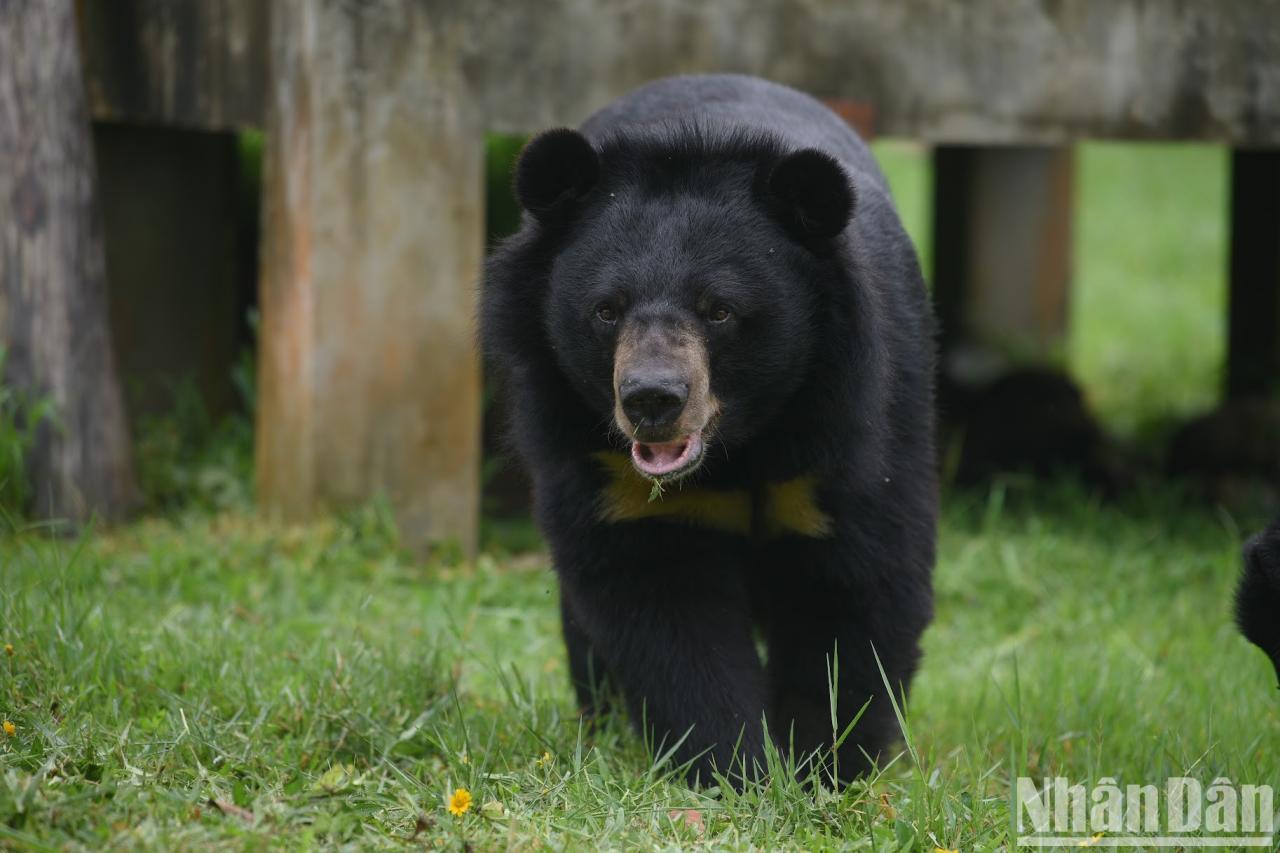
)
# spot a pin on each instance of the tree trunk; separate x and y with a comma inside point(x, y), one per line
point(53, 289)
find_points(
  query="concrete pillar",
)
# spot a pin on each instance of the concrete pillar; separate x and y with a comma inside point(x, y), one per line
point(1253, 340)
point(54, 325)
point(1002, 255)
point(373, 221)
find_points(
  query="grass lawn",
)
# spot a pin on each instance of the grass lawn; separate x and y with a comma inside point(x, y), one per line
point(218, 682)
point(207, 680)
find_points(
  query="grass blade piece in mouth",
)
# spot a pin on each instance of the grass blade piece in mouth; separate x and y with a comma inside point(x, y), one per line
point(655, 493)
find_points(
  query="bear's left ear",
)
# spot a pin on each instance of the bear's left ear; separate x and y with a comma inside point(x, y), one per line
point(556, 169)
point(810, 192)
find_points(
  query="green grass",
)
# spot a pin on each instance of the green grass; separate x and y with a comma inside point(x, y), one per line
point(1149, 313)
point(328, 690)
point(910, 174)
point(211, 681)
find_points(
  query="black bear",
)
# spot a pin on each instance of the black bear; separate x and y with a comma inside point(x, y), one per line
point(717, 348)
point(1258, 596)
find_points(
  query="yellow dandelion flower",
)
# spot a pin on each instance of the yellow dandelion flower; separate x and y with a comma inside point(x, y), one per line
point(1090, 842)
point(459, 802)
point(945, 850)
point(10, 729)
point(8, 649)
point(545, 759)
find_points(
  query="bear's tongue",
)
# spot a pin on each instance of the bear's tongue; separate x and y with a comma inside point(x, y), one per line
point(659, 458)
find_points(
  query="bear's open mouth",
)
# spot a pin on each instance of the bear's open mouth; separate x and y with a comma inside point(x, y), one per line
point(668, 460)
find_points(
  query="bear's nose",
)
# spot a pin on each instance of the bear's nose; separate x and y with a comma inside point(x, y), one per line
point(652, 403)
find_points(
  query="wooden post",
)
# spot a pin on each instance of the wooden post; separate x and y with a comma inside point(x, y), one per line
point(1253, 347)
point(373, 237)
point(1002, 254)
point(53, 288)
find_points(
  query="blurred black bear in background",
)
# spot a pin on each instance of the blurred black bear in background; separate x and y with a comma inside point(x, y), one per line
point(1232, 454)
point(1031, 420)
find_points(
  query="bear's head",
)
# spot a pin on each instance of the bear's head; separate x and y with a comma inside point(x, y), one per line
point(689, 280)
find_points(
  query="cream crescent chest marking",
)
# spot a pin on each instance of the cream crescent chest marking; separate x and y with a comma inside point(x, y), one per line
point(791, 506)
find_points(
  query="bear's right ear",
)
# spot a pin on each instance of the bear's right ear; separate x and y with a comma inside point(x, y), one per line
point(556, 169)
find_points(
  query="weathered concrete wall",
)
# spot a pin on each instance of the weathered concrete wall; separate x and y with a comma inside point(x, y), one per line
point(193, 63)
point(375, 113)
point(1029, 71)
point(1026, 71)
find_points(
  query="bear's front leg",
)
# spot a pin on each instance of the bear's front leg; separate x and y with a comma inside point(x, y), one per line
point(669, 617)
point(587, 671)
point(830, 611)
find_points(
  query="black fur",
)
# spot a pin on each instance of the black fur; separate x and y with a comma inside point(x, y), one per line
point(825, 369)
point(1258, 597)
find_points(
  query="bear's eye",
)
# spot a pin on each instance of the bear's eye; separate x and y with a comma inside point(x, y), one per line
point(606, 313)
point(719, 314)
